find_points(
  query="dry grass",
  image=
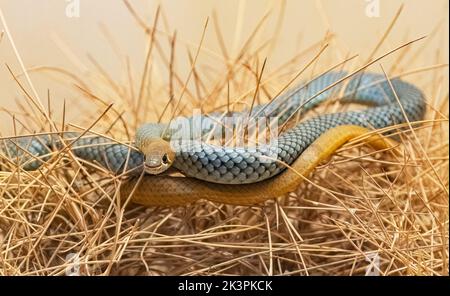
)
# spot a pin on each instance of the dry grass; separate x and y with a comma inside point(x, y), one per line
point(361, 206)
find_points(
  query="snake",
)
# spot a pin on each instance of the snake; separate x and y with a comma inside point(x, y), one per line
point(238, 174)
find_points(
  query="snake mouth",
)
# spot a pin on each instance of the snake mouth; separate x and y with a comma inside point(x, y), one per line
point(154, 169)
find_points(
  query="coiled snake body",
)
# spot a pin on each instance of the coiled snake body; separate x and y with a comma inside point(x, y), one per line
point(239, 175)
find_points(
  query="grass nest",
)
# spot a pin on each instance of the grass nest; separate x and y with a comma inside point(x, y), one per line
point(361, 212)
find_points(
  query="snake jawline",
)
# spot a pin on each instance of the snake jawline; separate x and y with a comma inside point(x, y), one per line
point(178, 191)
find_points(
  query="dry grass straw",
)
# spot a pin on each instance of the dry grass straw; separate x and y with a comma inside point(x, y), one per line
point(362, 210)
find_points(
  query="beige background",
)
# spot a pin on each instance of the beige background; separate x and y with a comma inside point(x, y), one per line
point(44, 34)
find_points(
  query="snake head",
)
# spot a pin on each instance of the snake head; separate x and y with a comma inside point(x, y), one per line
point(158, 156)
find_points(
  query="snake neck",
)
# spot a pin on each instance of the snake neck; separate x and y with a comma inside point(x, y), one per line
point(151, 131)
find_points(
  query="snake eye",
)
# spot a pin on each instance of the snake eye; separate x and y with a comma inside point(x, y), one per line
point(165, 159)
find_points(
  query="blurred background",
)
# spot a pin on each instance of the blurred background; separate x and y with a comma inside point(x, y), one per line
point(79, 35)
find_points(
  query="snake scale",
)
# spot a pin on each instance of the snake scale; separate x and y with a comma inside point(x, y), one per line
point(240, 174)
